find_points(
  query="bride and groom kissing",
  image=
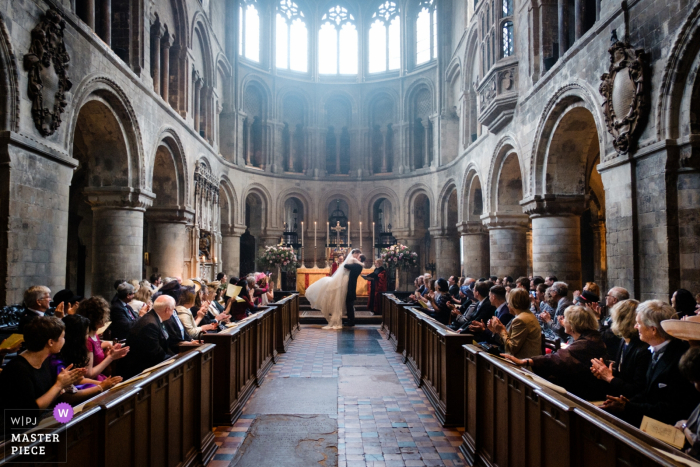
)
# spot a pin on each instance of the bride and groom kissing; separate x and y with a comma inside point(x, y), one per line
point(335, 294)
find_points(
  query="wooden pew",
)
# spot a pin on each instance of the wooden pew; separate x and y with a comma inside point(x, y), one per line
point(435, 357)
point(393, 318)
point(513, 421)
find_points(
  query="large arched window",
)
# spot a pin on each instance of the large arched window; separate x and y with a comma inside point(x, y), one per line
point(385, 38)
point(337, 38)
point(507, 29)
point(249, 30)
point(292, 37)
point(426, 32)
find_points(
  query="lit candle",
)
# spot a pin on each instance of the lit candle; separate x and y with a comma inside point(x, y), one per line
point(328, 233)
point(302, 234)
point(360, 234)
point(314, 234)
point(373, 242)
point(348, 233)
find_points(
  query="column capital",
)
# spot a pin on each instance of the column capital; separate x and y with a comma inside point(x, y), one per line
point(170, 214)
point(471, 228)
point(506, 221)
point(554, 205)
point(156, 27)
point(127, 198)
point(229, 230)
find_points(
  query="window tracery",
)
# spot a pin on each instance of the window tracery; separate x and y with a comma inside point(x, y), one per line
point(426, 32)
point(292, 37)
point(385, 38)
point(337, 38)
point(249, 30)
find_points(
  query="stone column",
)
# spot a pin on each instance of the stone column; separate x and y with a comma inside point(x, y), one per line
point(156, 34)
point(508, 244)
point(197, 101)
point(563, 23)
point(556, 237)
point(337, 152)
point(231, 249)
point(579, 15)
point(426, 143)
point(446, 253)
point(90, 14)
point(165, 65)
point(168, 239)
point(117, 235)
point(475, 249)
point(107, 22)
point(249, 140)
point(385, 142)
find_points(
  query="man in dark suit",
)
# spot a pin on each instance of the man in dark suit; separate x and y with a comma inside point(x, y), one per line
point(36, 302)
point(454, 287)
point(121, 314)
point(355, 270)
point(484, 310)
point(668, 396)
point(148, 339)
point(497, 297)
point(559, 292)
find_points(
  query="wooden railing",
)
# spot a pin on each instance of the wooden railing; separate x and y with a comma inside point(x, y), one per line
point(163, 419)
point(509, 419)
point(393, 320)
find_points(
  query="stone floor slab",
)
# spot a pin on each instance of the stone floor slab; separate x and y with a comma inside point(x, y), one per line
point(295, 396)
point(369, 382)
point(290, 441)
point(365, 360)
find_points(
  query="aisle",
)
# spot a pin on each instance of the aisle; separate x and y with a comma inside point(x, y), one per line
point(338, 398)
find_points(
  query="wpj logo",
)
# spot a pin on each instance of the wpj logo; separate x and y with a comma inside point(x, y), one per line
point(29, 438)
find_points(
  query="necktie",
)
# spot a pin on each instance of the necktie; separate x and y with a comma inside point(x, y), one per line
point(179, 324)
point(165, 333)
point(655, 359)
point(132, 314)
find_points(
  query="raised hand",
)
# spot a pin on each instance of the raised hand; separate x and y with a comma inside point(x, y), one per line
point(110, 382)
point(601, 371)
point(117, 352)
point(58, 313)
point(69, 376)
point(144, 309)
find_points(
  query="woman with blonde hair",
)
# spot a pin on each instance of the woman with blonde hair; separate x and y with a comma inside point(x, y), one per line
point(627, 375)
point(523, 336)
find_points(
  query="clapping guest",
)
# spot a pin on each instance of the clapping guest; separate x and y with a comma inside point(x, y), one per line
point(683, 302)
point(439, 300)
point(122, 315)
point(667, 395)
point(690, 368)
point(99, 354)
point(627, 374)
point(142, 296)
point(570, 367)
point(190, 322)
point(37, 300)
point(27, 383)
point(497, 297)
point(522, 337)
point(484, 309)
point(559, 292)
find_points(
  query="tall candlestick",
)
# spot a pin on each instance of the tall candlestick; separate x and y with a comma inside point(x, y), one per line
point(328, 233)
point(348, 234)
point(373, 242)
point(314, 235)
point(360, 234)
point(302, 234)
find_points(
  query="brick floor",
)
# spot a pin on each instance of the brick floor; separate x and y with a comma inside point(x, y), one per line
point(372, 432)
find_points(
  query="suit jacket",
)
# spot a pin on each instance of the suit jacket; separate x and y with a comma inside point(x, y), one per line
point(571, 367)
point(176, 333)
point(554, 325)
point(630, 369)
point(355, 270)
point(148, 341)
point(454, 290)
point(442, 313)
point(503, 314)
point(667, 396)
point(123, 318)
point(28, 315)
point(524, 336)
point(484, 312)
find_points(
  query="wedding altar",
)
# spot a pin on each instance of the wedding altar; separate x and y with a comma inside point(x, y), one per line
point(307, 276)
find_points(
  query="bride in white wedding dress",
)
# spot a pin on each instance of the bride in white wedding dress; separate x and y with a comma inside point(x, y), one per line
point(328, 294)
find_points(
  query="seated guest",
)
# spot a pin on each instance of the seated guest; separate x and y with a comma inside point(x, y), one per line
point(37, 300)
point(484, 310)
point(690, 368)
point(122, 315)
point(142, 296)
point(148, 339)
point(190, 322)
point(74, 353)
point(262, 281)
point(522, 337)
point(419, 286)
point(241, 307)
point(427, 278)
point(627, 375)
point(67, 299)
point(156, 281)
point(465, 310)
point(559, 292)
point(683, 302)
point(497, 297)
point(542, 302)
point(523, 283)
point(215, 308)
point(454, 287)
point(667, 395)
point(439, 300)
point(27, 381)
point(592, 287)
point(100, 354)
point(571, 367)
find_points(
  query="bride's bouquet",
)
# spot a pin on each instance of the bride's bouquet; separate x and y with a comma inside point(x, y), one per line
point(399, 256)
point(279, 256)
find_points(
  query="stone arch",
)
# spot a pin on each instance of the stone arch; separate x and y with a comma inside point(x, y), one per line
point(9, 81)
point(110, 95)
point(382, 115)
point(255, 104)
point(415, 88)
point(376, 194)
point(561, 101)
point(295, 93)
point(512, 169)
point(420, 106)
point(303, 197)
point(449, 210)
point(293, 113)
point(228, 203)
point(263, 195)
point(409, 204)
point(339, 96)
point(169, 139)
point(200, 32)
point(349, 198)
point(472, 205)
point(471, 128)
point(263, 90)
point(338, 120)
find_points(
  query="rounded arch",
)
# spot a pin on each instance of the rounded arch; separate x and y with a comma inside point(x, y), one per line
point(200, 33)
point(338, 96)
point(224, 66)
point(168, 137)
point(409, 204)
point(303, 197)
point(265, 198)
point(254, 83)
point(349, 198)
point(376, 194)
point(506, 188)
point(369, 101)
point(471, 206)
point(9, 81)
point(293, 93)
point(229, 203)
point(100, 88)
point(447, 216)
point(563, 99)
point(413, 91)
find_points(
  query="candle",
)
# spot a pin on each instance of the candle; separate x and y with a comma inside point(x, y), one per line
point(348, 233)
point(302, 234)
point(328, 233)
point(360, 234)
point(373, 242)
point(314, 234)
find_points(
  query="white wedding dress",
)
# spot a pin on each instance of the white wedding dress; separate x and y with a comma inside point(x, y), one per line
point(328, 294)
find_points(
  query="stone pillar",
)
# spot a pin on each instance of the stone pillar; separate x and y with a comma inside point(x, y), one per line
point(249, 140)
point(475, 249)
point(337, 152)
point(156, 34)
point(90, 14)
point(385, 142)
point(168, 239)
point(563, 9)
point(446, 254)
point(426, 143)
point(556, 237)
point(165, 66)
point(197, 102)
point(107, 22)
point(117, 236)
point(231, 249)
point(580, 14)
point(508, 244)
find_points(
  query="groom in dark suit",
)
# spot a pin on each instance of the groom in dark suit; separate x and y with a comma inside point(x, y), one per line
point(355, 270)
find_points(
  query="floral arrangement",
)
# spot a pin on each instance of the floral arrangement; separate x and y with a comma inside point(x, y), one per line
point(399, 256)
point(279, 256)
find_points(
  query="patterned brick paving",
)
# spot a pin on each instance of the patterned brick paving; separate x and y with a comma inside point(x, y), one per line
point(372, 432)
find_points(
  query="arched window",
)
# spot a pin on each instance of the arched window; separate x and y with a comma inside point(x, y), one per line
point(249, 31)
point(507, 38)
point(385, 38)
point(337, 38)
point(426, 32)
point(292, 37)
